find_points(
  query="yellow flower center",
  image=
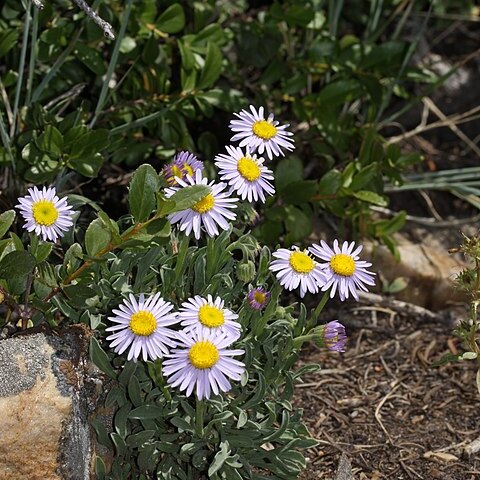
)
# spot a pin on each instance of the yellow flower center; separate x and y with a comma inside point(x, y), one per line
point(210, 316)
point(44, 212)
point(301, 262)
point(248, 169)
point(176, 172)
point(143, 323)
point(343, 264)
point(205, 204)
point(263, 129)
point(187, 169)
point(203, 355)
point(259, 297)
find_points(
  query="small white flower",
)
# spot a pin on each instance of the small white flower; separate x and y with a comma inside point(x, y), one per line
point(245, 174)
point(204, 362)
point(45, 214)
point(343, 269)
point(205, 315)
point(142, 325)
point(211, 211)
point(260, 134)
point(295, 268)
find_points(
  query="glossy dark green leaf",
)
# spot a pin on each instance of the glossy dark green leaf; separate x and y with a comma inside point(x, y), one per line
point(17, 264)
point(6, 220)
point(100, 358)
point(371, 197)
point(97, 237)
point(288, 170)
point(212, 67)
point(88, 166)
point(187, 197)
point(172, 20)
point(141, 195)
point(51, 141)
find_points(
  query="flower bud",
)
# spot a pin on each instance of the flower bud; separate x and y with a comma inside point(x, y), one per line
point(332, 336)
point(246, 271)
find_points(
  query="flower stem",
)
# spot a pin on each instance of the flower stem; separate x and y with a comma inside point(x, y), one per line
point(199, 415)
point(313, 319)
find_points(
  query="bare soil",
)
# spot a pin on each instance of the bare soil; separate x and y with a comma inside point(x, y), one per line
point(382, 403)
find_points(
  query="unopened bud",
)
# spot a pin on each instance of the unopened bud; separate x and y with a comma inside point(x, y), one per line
point(332, 336)
point(246, 271)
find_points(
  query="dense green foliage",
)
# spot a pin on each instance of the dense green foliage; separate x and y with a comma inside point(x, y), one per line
point(178, 70)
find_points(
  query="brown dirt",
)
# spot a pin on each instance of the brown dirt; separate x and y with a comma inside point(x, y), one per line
point(386, 408)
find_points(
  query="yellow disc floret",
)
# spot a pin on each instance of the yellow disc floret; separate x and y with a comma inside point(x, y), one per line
point(177, 172)
point(143, 323)
point(259, 297)
point(211, 316)
point(205, 204)
point(44, 212)
point(187, 169)
point(248, 169)
point(301, 262)
point(263, 129)
point(203, 355)
point(343, 264)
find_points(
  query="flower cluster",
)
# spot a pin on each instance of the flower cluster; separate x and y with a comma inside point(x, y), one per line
point(341, 269)
point(240, 170)
point(196, 351)
point(197, 357)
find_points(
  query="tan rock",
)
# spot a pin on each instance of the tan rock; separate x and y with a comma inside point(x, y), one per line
point(44, 433)
point(429, 273)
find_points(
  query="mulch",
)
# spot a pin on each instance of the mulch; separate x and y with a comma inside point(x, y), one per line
point(383, 405)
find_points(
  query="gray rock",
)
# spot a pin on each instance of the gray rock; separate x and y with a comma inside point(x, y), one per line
point(46, 400)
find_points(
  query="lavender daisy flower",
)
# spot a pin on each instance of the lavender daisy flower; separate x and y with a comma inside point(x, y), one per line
point(343, 269)
point(203, 363)
point(45, 214)
point(258, 298)
point(211, 211)
point(206, 314)
point(260, 134)
point(142, 327)
point(296, 268)
point(245, 174)
point(333, 336)
point(183, 164)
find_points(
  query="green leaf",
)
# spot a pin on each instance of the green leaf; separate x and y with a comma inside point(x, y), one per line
point(6, 220)
point(219, 459)
point(289, 170)
point(17, 264)
point(371, 197)
point(43, 251)
point(51, 141)
point(97, 237)
point(138, 439)
point(338, 93)
point(91, 58)
point(88, 166)
point(79, 292)
point(212, 68)
point(145, 412)
point(187, 197)
point(141, 195)
point(172, 20)
point(300, 192)
point(330, 183)
point(8, 40)
point(100, 358)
